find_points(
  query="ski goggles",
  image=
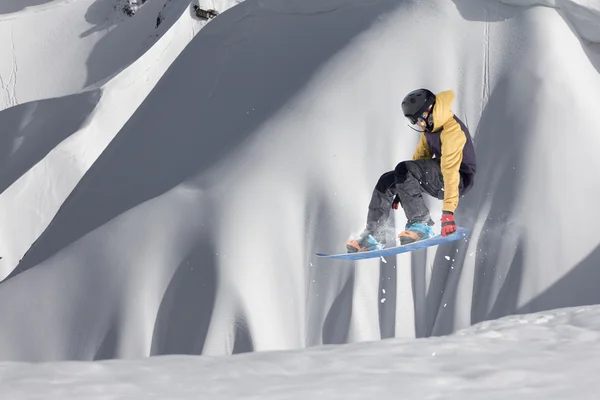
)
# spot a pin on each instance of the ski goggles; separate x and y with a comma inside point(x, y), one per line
point(420, 120)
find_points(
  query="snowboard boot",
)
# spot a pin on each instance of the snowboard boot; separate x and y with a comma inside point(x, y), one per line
point(415, 232)
point(366, 242)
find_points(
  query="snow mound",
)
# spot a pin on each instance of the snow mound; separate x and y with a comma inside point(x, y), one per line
point(548, 355)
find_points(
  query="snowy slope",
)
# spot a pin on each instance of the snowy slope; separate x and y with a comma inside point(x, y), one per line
point(49, 143)
point(551, 355)
point(194, 230)
point(57, 48)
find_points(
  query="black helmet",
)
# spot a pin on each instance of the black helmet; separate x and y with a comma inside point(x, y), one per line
point(416, 103)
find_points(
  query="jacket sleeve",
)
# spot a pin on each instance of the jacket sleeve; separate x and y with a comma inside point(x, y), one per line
point(422, 150)
point(453, 141)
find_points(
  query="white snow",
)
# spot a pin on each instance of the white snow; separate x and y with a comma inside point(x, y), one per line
point(551, 355)
point(52, 141)
point(164, 190)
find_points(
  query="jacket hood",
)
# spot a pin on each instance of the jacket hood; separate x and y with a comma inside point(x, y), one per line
point(441, 109)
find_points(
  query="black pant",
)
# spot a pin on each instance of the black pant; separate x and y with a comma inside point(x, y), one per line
point(408, 181)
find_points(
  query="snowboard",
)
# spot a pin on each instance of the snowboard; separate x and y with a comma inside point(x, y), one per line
point(460, 233)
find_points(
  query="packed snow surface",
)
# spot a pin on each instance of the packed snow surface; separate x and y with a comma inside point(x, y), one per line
point(550, 355)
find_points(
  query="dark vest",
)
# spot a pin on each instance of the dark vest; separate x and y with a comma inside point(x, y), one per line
point(468, 167)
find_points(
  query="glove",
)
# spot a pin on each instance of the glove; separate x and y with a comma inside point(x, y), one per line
point(396, 202)
point(448, 224)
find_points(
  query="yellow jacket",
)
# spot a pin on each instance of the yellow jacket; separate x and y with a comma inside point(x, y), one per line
point(449, 141)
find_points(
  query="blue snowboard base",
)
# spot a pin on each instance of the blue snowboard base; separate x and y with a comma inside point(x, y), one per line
point(460, 233)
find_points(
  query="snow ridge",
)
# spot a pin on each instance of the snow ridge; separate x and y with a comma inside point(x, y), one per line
point(583, 15)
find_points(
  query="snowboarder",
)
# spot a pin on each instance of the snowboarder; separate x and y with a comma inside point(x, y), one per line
point(443, 166)
point(205, 14)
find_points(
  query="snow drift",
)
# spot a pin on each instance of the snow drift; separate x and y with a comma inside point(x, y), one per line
point(194, 230)
point(548, 355)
